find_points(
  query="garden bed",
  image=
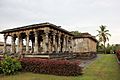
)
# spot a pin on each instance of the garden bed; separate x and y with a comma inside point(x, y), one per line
point(48, 66)
point(103, 68)
point(118, 56)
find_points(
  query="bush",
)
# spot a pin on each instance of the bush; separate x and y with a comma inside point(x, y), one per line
point(118, 54)
point(1, 69)
point(10, 65)
point(0, 65)
point(46, 66)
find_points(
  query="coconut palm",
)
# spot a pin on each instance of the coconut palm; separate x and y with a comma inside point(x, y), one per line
point(103, 34)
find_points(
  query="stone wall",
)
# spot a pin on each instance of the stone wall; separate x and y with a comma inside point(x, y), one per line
point(84, 45)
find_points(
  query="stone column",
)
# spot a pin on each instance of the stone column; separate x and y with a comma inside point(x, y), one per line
point(21, 45)
point(12, 44)
point(18, 43)
point(27, 42)
point(54, 45)
point(36, 42)
point(5, 39)
point(49, 44)
point(67, 44)
point(71, 44)
point(59, 41)
point(32, 48)
point(45, 42)
point(63, 44)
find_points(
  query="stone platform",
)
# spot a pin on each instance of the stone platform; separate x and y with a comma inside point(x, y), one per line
point(51, 55)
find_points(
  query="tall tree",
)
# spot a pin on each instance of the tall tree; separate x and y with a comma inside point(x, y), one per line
point(103, 35)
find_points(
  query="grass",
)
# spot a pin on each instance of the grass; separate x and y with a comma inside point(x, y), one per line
point(104, 67)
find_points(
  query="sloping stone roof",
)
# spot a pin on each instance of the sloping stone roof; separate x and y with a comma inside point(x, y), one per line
point(86, 35)
point(40, 25)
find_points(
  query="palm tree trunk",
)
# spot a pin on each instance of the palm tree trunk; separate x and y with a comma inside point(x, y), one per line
point(104, 48)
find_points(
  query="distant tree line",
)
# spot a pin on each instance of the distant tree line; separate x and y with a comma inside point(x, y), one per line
point(76, 33)
point(110, 49)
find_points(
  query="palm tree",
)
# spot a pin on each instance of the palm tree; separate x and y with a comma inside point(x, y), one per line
point(103, 35)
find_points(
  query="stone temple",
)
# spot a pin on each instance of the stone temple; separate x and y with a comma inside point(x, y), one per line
point(47, 38)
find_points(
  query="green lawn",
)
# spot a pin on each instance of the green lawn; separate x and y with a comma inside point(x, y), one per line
point(105, 67)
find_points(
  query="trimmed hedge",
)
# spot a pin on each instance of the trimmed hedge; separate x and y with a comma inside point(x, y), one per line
point(47, 66)
point(118, 54)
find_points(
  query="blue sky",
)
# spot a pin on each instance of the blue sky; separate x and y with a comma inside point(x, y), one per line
point(81, 15)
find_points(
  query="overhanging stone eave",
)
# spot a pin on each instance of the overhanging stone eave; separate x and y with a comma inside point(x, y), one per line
point(34, 26)
point(18, 29)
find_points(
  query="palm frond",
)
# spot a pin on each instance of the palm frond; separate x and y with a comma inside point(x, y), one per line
point(103, 34)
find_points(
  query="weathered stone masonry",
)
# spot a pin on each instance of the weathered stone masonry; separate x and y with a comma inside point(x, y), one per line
point(45, 38)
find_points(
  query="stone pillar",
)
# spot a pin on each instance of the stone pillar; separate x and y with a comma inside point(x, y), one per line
point(5, 39)
point(49, 46)
point(67, 44)
point(71, 44)
point(12, 44)
point(18, 44)
point(32, 49)
point(54, 45)
point(59, 41)
point(43, 44)
point(27, 42)
point(21, 45)
point(64, 44)
point(46, 41)
point(36, 42)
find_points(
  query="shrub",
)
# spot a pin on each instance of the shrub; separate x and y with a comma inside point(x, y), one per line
point(46, 66)
point(10, 65)
point(1, 69)
point(118, 54)
point(0, 65)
